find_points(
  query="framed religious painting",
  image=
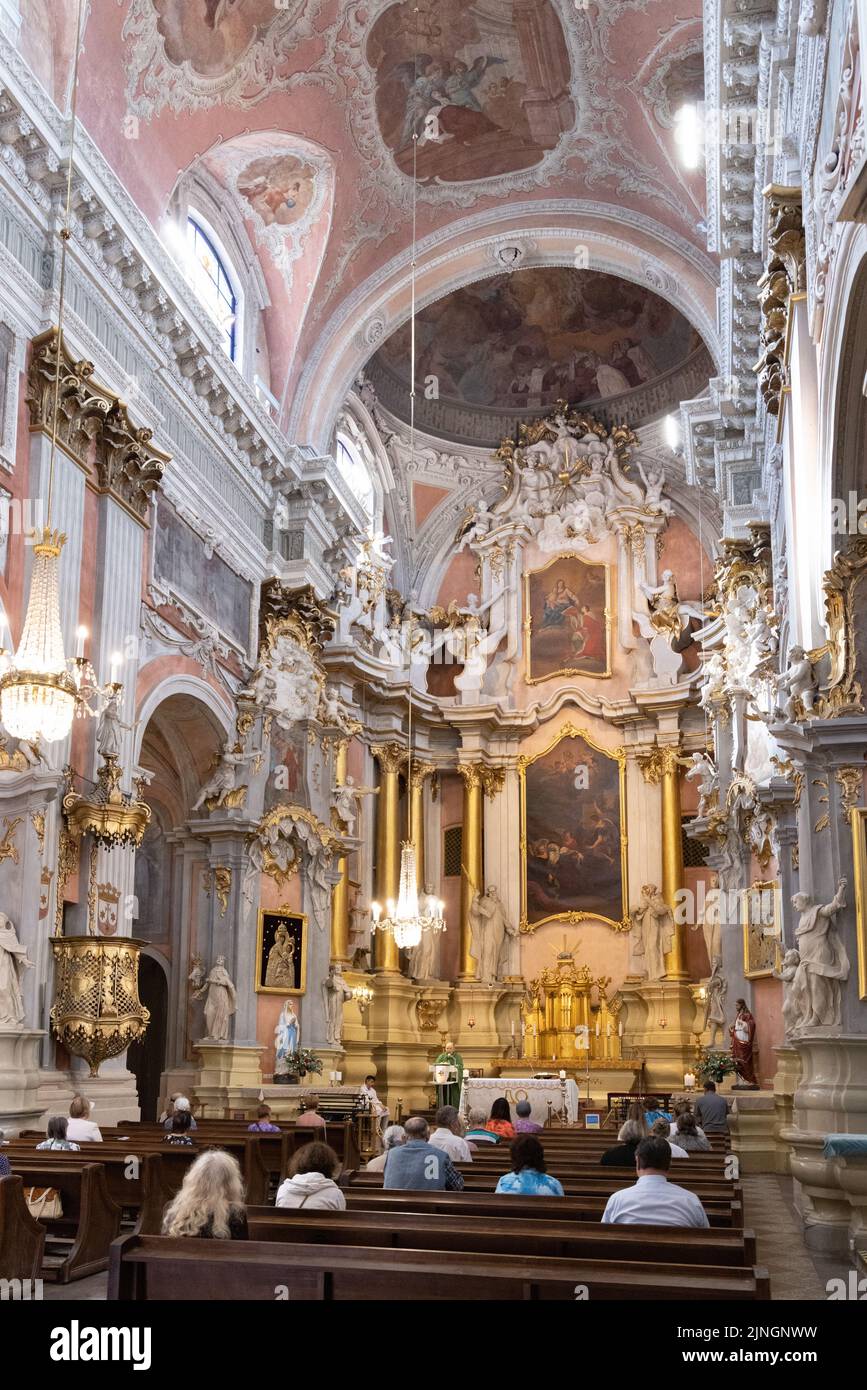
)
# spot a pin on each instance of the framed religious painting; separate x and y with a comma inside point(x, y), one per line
point(761, 920)
point(858, 816)
point(573, 833)
point(567, 619)
point(281, 952)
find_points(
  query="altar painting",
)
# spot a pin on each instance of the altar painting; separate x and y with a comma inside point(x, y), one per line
point(281, 953)
point(567, 619)
point(573, 807)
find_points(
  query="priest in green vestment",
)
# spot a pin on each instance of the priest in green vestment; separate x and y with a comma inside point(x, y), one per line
point(451, 1094)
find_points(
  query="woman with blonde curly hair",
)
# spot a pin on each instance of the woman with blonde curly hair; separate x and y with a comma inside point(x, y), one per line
point(210, 1203)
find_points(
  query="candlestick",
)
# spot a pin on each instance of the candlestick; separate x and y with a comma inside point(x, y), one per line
point(116, 662)
point(562, 1076)
point(81, 636)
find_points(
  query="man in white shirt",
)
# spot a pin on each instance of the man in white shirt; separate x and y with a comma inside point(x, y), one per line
point(447, 1135)
point(654, 1201)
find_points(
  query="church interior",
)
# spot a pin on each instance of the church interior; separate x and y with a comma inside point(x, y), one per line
point(434, 639)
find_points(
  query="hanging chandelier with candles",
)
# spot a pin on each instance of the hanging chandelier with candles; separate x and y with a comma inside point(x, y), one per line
point(40, 690)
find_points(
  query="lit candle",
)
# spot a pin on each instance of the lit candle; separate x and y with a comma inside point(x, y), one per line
point(116, 662)
point(562, 1076)
point(81, 635)
point(608, 1030)
point(598, 1027)
point(513, 1030)
point(688, 1080)
point(523, 1029)
point(620, 1030)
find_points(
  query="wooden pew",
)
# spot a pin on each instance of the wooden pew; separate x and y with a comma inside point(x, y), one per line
point(720, 1213)
point(77, 1243)
point(145, 1268)
point(594, 1182)
point(22, 1240)
point(500, 1233)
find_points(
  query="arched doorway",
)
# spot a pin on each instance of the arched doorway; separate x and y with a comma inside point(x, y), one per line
point(146, 1058)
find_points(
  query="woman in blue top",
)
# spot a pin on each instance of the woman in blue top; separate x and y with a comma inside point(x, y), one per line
point(528, 1177)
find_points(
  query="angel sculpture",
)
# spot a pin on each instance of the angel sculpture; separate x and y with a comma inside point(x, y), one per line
point(654, 481)
point(704, 772)
point(476, 523)
point(344, 800)
point(222, 781)
point(663, 625)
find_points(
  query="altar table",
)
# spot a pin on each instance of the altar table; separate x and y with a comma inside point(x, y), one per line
point(482, 1091)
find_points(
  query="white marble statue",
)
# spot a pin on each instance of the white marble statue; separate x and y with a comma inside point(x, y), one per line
point(715, 1013)
point(798, 682)
point(13, 962)
point(762, 638)
point(478, 524)
point(109, 730)
point(654, 482)
point(823, 964)
point(287, 1038)
point(627, 490)
point(713, 682)
point(345, 800)
point(509, 960)
point(710, 920)
point(652, 931)
point(488, 928)
point(222, 781)
point(422, 958)
point(334, 713)
point(221, 1001)
point(704, 772)
point(196, 976)
point(335, 992)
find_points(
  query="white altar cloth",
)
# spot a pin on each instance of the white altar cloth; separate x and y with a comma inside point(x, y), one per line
point(483, 1091)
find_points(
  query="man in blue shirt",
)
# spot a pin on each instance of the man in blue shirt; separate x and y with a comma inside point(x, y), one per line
point(418, 1166)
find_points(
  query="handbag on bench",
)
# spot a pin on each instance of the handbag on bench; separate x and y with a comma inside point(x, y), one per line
point(43, 1203)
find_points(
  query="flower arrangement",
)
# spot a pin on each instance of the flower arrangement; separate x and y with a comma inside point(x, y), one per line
point(716, 1066)
point(303, 1061)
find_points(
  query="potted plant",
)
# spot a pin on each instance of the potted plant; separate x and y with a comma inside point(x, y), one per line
point(301, 1062)
point(716, 1066)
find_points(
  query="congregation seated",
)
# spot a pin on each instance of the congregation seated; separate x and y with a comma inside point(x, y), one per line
point(653, 1200)
point(310, 1117)
point(477, 1131)
point(310, 1183)
point(81, 1127)
point(447, 1135)
point(417, 1165)
point(209, 1204)
point(393, 1137)
point(682, 1107)
point(653, 1111)
point(263, 1124)
point(524, 1124)
point(711, 1111)
point(181, 1125)
point(688, 1136)
point(528, 1177)
point(57, 1137)
point(629, 1136)
point(661, 1129)
point(500, 1122)
point(177, 1102)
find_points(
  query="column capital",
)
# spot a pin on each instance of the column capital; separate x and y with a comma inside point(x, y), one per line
point(390, 756)
point(419, 772)
point(660, 762)
point(491, 779)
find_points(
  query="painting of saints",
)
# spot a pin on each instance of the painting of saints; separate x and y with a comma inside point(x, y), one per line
point(566, 605)
point(211, 35)
point(279, 188)
point(572, 810)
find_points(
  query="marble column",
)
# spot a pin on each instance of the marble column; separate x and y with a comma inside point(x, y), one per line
point(340, 895)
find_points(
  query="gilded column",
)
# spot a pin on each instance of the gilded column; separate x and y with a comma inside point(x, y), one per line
point(340, 892)
point(663, 766)
point(478, 780)
point(418, 776)
point(391, 758)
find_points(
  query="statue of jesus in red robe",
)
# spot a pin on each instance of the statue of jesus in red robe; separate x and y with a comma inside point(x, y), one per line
point(743, 1032)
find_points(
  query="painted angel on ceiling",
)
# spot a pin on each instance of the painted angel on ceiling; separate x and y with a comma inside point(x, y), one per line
point(448, 90)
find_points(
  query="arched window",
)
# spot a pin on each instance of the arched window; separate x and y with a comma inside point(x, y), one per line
point(213, 283)
point(356, 472)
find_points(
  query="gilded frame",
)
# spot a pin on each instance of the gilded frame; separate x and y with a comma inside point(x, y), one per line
point(858, 818)
point(260, 967)
point(529, 678)
point(754, 970)
point(617, 755)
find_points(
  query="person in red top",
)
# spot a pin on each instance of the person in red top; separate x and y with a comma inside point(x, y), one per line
point(501, 1119)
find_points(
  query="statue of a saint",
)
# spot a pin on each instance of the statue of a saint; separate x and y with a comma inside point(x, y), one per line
point(488, 925)
point(221, 1001)
point(109, 729)
point(422, 958)
point(652, 931)
point(743, 1036)
point(824, 963)
point(710, 920)
point(715, 1013)
point(13, 962)
point(335, 991)
point(280, 969)
point(287, 1038)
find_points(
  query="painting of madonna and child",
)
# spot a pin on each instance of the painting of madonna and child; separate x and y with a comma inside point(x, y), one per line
point(566, 612)
point(571, 802)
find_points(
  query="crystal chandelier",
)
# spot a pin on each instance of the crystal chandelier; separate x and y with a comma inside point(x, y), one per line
point(405, 919)
point(39, 690)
